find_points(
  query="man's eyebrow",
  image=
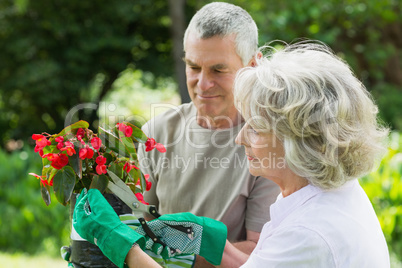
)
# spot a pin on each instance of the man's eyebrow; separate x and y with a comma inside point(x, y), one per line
point(219, 66)
point(189, 62)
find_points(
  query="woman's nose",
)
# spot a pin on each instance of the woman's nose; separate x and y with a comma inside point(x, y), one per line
point(241, 138)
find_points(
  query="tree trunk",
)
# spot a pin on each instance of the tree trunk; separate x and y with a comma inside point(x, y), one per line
point(176, 13)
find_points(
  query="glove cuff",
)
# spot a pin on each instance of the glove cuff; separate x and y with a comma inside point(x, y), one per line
point(213, 237)
point(118, 243)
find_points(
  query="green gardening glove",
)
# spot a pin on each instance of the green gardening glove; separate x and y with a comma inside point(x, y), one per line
point(207, 237)
point(96, 221)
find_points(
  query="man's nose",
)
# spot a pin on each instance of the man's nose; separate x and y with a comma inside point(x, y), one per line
point(205, 81)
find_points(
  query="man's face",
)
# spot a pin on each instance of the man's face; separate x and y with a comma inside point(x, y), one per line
point(211, 66)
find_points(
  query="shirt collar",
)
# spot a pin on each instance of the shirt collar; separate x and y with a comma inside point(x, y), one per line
point(285, 205)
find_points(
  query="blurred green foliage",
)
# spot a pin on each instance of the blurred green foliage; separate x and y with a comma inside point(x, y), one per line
point(58, 54)
point(384, 188)
point(27, 225)
point(55, 55)
point(366, 33)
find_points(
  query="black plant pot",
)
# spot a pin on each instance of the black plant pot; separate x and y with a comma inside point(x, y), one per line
point(85, 254)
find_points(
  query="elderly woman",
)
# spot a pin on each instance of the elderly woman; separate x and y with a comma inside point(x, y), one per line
point(311, 128)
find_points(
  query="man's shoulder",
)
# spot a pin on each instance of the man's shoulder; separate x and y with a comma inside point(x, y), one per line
point(172, 117)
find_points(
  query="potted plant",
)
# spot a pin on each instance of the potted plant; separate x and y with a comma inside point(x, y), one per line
point(77, 158)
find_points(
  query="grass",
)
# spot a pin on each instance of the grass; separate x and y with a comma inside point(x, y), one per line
point(22, 261)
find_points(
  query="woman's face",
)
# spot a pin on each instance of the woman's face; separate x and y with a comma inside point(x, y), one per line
point(264, 151)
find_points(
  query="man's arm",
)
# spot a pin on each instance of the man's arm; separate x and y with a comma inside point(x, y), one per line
point(243, 248)
point(249, 244)
point(233, 257)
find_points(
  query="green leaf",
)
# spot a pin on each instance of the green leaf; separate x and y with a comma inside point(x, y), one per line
point(129, 146)
point(111, 141)
point(76, 163)
point(138, 135)
point(76, 125)
point(143, 182)
point(117, 168)
point(99, 182)
point(44, 190)
point(63, 184)
point(135, 175)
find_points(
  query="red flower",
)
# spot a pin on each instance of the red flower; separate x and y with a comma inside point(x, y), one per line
point(127, 130)
point(160, 147)
point(59, 139)
point(147, 182)
point(41, 142)
point(96, 143)
point(39, 149)
point(100, 160)
point(128, 167)
point(60, 145)
point(140, 198)
point(68, 147)
point(148, 185)
point(58, 161)
point(42, 180)
point(151, 144)
point(101, 169)
point(86, 153)
point(80, 133)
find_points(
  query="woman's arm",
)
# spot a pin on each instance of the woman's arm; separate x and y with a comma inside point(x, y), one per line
point(233, 257)
point(138, 258)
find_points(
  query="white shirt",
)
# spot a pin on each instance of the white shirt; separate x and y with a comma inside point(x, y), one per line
point(318, 228)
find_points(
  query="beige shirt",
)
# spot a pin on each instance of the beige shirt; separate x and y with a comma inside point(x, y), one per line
point(204, 172)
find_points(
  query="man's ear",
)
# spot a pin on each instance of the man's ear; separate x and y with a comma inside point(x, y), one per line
point(252, 62)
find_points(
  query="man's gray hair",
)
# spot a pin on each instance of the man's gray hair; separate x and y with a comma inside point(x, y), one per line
point(223, 19)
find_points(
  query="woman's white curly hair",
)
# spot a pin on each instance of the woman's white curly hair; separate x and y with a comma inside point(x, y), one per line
point(311, 100)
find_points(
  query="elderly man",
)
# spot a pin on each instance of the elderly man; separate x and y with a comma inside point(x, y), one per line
point(203, 171)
